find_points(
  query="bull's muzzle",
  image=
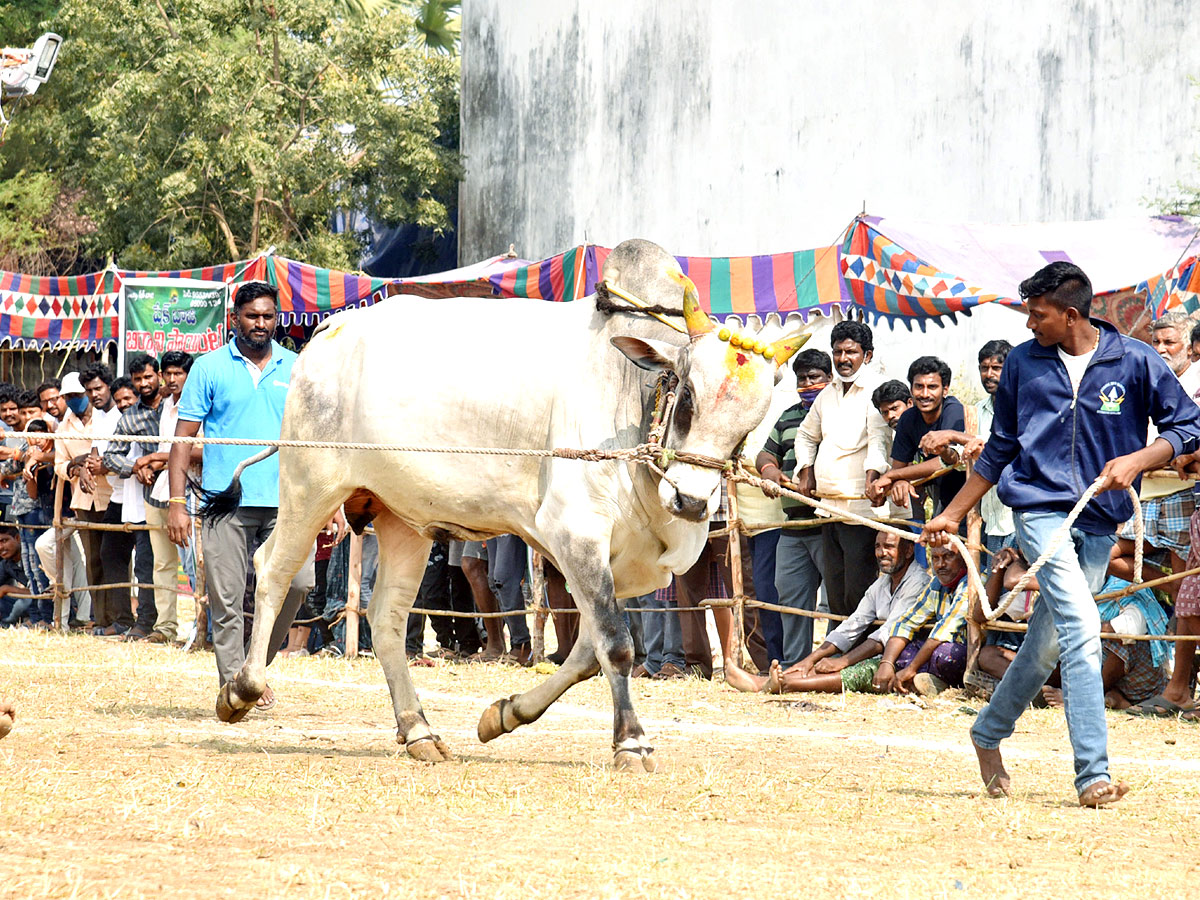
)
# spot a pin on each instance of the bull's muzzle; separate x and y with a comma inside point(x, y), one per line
point(694, 509)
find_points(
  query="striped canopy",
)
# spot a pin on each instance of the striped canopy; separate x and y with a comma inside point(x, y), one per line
point(888, 269)
point(801, 282)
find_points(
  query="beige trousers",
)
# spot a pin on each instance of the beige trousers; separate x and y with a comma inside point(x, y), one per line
point(166, 573)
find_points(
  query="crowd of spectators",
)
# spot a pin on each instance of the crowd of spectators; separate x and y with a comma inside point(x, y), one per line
point(885, 448)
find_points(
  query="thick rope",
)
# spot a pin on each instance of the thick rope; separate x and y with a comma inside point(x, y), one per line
point(1064, 531)
point(771, 489)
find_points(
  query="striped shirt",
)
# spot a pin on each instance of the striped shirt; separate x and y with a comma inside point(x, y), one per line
point(139, 420)
point(781, 444)
point(945, 607)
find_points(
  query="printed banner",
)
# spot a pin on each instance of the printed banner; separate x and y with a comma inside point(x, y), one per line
point(160, 314)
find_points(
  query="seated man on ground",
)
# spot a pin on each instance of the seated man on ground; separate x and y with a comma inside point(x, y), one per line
point(934, 663)
point(849, 656)
point(1134, 672)
point(12, 578)
point(1000, 647)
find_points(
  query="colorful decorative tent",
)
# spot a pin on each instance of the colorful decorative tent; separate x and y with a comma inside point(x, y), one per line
point(899, 269)
point(801, 282)
point(912, 272)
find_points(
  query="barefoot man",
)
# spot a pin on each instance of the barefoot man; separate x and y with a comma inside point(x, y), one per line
point(1073, 404)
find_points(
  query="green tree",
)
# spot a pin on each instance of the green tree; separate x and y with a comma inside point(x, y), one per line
point(201, 130)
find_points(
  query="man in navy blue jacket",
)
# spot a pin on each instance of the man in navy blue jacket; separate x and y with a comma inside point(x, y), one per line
point(1072, 406)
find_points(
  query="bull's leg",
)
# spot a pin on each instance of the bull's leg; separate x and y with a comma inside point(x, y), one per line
point(277, 563)
point(403, 554)
point(605, 643)
point(504, 716)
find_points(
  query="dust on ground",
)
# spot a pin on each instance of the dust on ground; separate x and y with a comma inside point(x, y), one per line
point(119, 782)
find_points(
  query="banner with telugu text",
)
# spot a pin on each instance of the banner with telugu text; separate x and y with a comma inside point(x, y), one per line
point(160, 314)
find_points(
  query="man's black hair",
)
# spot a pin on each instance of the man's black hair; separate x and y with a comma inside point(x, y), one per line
point(123, 382)
point(11, 531)
point(890, 392)
point(929, 365)
point(1195, 335)
point(38, 425)
point(139, 363)
point(859, 332)
point(177, 359)
point(812, 359)
point(47, 384)
point(8, 392)
point(252, 290)
point(27, 398)
point(92, 372)
point(998, 349)
point(1061, 284)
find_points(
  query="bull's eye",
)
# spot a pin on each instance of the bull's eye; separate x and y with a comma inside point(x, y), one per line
point(683, 411)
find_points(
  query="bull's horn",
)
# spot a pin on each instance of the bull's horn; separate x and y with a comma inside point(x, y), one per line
point(783, 349)
point(697, 319)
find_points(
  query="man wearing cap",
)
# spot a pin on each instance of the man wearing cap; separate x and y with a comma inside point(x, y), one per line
point(88, 498)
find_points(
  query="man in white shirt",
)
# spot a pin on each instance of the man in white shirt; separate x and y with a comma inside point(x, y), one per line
point(841, 448)
point(851, 653)
point(87, 496)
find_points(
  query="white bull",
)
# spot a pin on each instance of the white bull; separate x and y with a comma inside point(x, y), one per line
point(511, 374)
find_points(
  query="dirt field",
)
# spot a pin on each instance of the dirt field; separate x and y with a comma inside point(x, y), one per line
point(119, 782)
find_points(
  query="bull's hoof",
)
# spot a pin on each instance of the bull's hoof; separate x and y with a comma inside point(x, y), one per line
point(6, 724)
point(227, 708)
point(491, 723)
point(636, 761)
point(429, 749)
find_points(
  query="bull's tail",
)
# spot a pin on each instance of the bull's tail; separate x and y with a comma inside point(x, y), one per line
point(218, 505)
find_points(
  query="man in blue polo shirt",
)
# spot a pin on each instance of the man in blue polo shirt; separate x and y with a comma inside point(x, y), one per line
point(237, 392)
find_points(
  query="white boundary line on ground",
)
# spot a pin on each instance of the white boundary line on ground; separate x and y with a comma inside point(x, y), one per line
point(567, 711)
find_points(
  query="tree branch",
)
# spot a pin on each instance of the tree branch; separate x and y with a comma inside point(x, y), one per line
point(225, 230)
point(170, 28)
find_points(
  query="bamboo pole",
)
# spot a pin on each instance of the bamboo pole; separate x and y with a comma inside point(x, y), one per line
point(353, 594)
point(541, 603)
point(974, 538)
point(737, 634)
point(200, 592)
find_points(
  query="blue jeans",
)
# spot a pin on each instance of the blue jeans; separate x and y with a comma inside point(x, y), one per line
point(798, 566)
point(1065, 630)
point(661, 633)
point(506, 571)
point(39, 610)
point(763, 549)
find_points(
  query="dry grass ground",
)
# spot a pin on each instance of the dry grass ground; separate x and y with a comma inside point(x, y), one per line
point(118, 782)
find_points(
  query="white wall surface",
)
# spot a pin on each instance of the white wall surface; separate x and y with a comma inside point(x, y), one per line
point(726, 128)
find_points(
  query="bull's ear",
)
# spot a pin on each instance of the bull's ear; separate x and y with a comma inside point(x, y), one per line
point(653, 356)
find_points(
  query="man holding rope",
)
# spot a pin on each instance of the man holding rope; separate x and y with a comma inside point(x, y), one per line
point(1072, 408)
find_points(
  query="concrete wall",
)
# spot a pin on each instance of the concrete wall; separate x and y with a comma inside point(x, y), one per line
point(724, 128)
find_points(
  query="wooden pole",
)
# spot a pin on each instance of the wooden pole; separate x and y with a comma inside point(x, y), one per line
point(353, 594)
point(974, 601)
point(738, 632)
point(60, 547)
point(200, 592)
point(537, 588)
